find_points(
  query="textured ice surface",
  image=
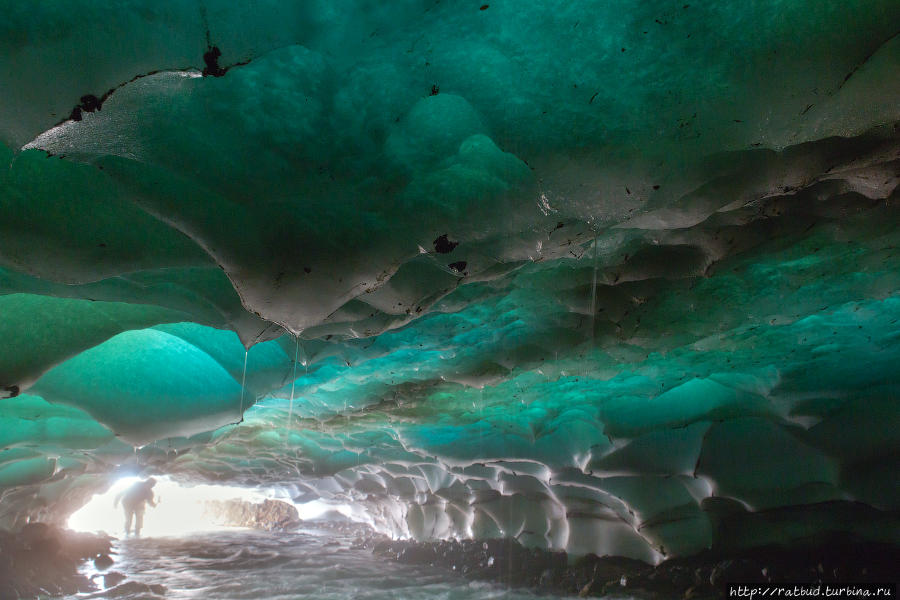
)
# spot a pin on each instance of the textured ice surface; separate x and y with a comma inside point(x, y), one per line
point(614, 277)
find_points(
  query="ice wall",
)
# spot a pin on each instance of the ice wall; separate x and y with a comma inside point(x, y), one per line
point(615, 277)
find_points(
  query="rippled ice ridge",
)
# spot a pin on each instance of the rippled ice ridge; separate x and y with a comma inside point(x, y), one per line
point(304, 564)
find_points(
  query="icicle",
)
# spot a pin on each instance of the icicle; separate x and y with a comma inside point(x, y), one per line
point(594, 288)
point(480, 417)
point(243, 386)
point(287, 434)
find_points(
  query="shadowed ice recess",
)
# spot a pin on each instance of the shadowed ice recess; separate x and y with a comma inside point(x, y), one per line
point(618, 278)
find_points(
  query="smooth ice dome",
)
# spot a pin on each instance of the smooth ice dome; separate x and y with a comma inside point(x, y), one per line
point(610, 277)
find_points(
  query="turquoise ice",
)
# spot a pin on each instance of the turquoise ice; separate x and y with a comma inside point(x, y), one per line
point(613, 277)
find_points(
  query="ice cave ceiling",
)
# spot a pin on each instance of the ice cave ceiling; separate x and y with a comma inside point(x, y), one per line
point(612, 276)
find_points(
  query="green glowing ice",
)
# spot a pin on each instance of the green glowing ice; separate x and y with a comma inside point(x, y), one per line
point(616, 277)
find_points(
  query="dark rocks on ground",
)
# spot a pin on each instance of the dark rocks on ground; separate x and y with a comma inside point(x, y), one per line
point(113, 578)
point(103, 561)
point(501, 560)
point(42, 560)
point(701, 576)
point(740, 569)
point(598, 575)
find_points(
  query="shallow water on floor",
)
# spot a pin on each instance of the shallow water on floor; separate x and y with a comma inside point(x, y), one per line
point(310, 563)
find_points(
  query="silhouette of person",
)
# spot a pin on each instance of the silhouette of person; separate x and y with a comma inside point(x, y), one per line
point(134, 501)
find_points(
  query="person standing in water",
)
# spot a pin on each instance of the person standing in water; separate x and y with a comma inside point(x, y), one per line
point(134, 501)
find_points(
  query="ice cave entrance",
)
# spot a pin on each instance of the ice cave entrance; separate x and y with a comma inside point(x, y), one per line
point(180, 508)
point(183, 508)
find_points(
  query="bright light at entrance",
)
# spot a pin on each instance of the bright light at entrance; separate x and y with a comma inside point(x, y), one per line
point(180, 509)
point(319, 508)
